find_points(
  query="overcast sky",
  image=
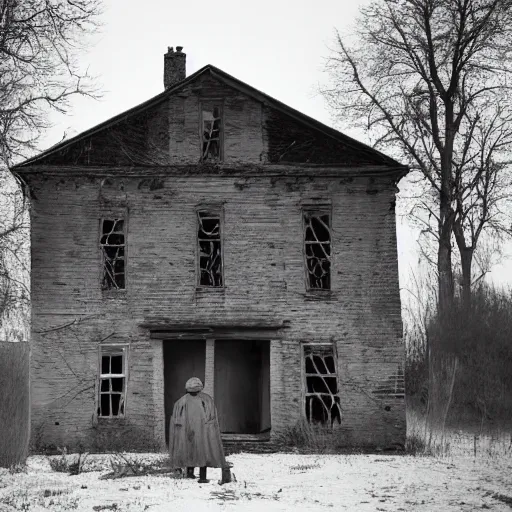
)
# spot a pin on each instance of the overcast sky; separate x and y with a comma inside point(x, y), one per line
point(279, 47)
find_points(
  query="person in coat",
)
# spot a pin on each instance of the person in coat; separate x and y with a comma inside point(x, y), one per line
point(194, 434)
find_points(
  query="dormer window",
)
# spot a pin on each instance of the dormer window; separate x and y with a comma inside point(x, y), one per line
point(211, 121)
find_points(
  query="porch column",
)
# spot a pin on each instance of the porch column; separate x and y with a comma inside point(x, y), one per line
point(158, 393)
point(209, 367)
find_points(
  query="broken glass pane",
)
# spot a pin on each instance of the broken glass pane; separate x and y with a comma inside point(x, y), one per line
point(319, 384)
point(324, 409)
point(329, 362)
point(210, 254)
point(211, 133)
point(319, 365)
point(117, 364)
point(112, 241)
point(317, 229)
point(105, 405)
point(317, 240)
point(105, 364)
point(105, 385)
point(117, 384)
point(116, 399)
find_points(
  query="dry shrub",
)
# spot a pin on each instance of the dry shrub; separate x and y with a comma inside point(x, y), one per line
point(14, 403)
point(480, 338)
point(469, 355)
point(307, 437)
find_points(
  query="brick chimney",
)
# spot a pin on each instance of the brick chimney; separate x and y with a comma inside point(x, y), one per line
point(174, 66)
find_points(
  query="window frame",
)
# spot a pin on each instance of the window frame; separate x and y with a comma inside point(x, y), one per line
point(113, 216)
point(213, 102)
point(211, 209)
point(304, 376)
point(317, 209)
point(112, 349)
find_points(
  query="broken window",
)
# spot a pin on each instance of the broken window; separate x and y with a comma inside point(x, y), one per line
point(112, 242)
point(210, 253)
point(211, 129)
point(112, 381)
point(317, 250)
point(322, 401)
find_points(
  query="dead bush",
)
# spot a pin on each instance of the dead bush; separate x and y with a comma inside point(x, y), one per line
point(415, 445)
point(124, 465)
point(460, 378)
point(307, 437)
point(71, 464)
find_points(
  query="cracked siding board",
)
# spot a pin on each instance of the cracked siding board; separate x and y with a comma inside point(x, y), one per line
point(262, 246)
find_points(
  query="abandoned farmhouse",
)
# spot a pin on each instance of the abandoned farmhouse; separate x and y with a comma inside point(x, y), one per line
point(215, 232)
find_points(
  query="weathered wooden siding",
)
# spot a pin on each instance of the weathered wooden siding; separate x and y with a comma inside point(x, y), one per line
point(241, 120)
point(168, 133)
point(264, 278)
point(291, 141)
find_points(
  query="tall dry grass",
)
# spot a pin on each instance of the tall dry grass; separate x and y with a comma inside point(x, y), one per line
point(14, 403)
point(307, 438)
point(458, 379)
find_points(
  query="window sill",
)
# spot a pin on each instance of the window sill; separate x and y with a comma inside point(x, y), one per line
point(320, 295)
point(104, 420)
point(114, 294)
point(210, 289)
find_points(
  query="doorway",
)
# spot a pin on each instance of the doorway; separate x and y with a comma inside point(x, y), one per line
point(242, 386)
point(182, 359)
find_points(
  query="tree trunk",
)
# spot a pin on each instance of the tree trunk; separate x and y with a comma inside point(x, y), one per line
point(438, 353)
point(466, 259)
point(446, 216)
point(444, 264)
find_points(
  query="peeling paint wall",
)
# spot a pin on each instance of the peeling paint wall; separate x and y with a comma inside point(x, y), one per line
point(264, 282)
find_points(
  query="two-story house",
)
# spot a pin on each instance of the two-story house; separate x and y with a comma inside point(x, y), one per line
point(213, 231)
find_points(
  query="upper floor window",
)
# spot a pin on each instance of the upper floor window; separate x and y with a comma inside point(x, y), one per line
point(209, 248)
point(112, 243)
point(211, 129)
point(317, 249)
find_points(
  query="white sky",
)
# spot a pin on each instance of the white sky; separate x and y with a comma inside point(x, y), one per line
point(279, 47)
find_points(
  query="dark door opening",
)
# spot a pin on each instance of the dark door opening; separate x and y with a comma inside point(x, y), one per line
point(242, 386)
point(182, 359)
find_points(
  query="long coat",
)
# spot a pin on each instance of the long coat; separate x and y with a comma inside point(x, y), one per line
point(194, 434)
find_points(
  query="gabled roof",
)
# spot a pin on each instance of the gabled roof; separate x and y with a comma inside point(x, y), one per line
point(244, 88)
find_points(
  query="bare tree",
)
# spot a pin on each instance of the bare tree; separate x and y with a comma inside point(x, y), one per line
point(423, 76)
point(482, 189)
point(482, 198)
point(40, 42)
point(14, 260)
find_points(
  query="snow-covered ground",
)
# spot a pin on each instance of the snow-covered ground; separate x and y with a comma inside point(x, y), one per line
point(274, 482)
